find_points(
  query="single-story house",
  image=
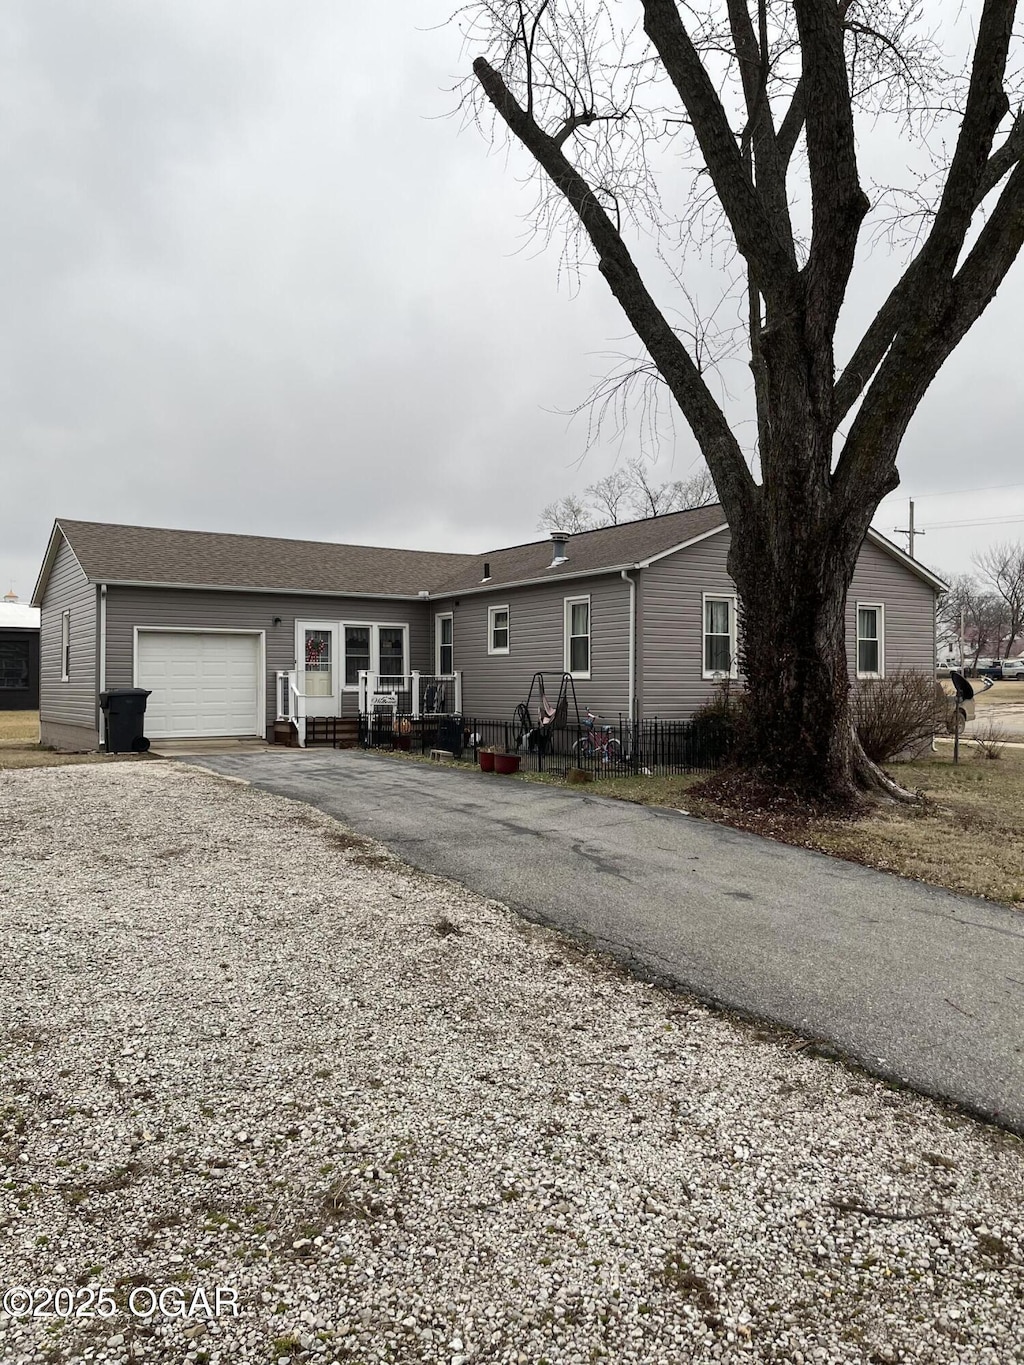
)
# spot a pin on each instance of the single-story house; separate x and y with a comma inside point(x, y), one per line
point(224, 629)
point(19, 655)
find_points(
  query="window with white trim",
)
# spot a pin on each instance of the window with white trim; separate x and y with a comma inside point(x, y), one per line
point(65, 645)
point(497, 630)
point(444, 635)
point(381, 649)
point(870, 640)
point(719, 658)
point(357, 653)
point(391, 654)
point(577, 636)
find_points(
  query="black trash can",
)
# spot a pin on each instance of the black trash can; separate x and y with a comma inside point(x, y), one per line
point(125, 710)
point(449, 734)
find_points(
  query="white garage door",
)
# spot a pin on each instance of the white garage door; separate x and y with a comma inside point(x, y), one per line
point(203, 683)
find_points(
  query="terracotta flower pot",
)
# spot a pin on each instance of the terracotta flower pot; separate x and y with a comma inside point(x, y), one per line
point(506, 763)
point(486, 758)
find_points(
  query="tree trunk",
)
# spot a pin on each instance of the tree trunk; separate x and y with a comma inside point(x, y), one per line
point(793, 656)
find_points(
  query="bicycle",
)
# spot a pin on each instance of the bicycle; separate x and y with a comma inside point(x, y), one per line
point(596, 742)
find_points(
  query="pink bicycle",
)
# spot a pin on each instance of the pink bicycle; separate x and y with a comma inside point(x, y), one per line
point(597, 741)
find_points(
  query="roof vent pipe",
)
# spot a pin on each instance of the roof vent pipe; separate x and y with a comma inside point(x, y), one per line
point(559, 546)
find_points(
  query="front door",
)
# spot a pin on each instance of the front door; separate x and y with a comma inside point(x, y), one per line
point(317, 664)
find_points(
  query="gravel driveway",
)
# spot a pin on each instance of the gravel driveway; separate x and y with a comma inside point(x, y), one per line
point(243, 1048)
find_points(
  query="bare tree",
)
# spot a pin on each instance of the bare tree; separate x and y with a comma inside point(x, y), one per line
point(766, 104)
point(626, 493)
point(973, 615)
point(1002, 568)
point(611, 496)
point(566, 514)
point(696, 491)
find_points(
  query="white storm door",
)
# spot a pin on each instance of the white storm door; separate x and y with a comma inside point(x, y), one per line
point(317, 665)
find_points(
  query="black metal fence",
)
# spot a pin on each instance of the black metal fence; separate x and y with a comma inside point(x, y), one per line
point(647, 747)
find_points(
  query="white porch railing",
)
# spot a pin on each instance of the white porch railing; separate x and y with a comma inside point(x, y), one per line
point(425, 694)
point(291, 703)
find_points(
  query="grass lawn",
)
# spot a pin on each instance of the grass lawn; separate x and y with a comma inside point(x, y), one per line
point(19, 727)
point(999, 694)
point(20, 747)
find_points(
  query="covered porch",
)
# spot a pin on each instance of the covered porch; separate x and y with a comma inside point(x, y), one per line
point(317, 718)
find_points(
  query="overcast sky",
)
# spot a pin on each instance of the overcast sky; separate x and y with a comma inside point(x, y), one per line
point(255, 281)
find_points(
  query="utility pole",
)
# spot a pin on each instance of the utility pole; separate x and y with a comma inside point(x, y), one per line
point(908, 530)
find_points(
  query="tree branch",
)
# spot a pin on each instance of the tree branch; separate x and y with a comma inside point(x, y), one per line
point(838, 203)
point(758, 236)
point(924, 338)
point(769, 169)
point(974, 172)
point(719, 446)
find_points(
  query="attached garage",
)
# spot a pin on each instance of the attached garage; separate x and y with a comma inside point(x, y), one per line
point(204, 683)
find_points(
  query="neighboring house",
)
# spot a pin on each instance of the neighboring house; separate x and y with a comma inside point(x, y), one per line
point(642, 614)
point(19, 655)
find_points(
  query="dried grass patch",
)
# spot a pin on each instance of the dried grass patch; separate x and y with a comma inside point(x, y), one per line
point(19, 727)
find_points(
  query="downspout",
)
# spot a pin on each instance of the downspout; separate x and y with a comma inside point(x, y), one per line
point(103, 662)
point(632, 641)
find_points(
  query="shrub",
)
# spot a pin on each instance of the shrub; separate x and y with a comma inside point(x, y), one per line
point(900, 711)
point(723, 717)
point(991, 739)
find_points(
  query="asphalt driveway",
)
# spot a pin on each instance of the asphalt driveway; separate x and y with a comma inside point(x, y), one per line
point(919, 985)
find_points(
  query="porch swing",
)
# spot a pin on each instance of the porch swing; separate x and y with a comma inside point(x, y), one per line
point(529, 736)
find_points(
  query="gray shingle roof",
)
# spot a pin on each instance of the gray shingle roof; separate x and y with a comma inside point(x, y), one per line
point(611, 547)
point(145, 554)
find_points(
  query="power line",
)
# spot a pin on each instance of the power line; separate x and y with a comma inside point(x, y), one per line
point(957, 492)
point(981, 521)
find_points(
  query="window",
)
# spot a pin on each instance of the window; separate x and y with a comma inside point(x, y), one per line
point(65, 646)
point(497, 630)
point(577, 636)
point(719, 637)
point(391, 652)
point(13, 664)
point(444, 637)
point(378, 649)
point(870, 640)
point(357, 653)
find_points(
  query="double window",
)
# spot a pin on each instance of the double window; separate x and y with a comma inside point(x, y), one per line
point(870, 640)
point(497, 630)
point(719, 636)
point(577, 636)
point(383, 649)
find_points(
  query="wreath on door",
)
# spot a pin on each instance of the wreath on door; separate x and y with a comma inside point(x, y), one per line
point(316, 650)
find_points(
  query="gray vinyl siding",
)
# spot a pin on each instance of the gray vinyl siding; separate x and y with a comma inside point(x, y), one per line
point(670, 612)
point(671, 632)
point(493, 685)
point(909, 611)
point(68, 711)
point(213, 610)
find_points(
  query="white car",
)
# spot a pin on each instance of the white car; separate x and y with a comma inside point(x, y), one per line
point(1013, 668)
